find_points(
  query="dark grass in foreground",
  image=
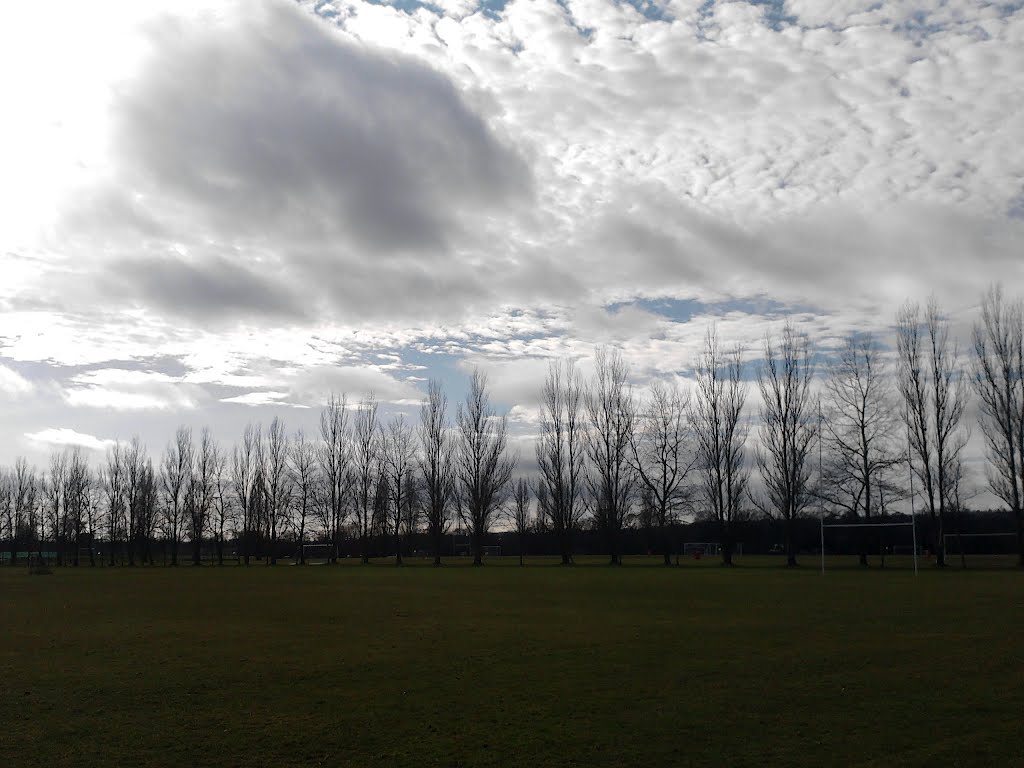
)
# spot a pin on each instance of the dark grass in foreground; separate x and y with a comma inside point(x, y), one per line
point(506, 666)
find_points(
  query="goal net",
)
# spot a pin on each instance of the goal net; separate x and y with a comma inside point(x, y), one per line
point(885, 537)
point(315, 554)
point(491, 551)
point(981, 549)
point(699, 549)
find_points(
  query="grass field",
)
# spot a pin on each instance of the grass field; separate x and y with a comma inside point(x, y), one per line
point(506, 666)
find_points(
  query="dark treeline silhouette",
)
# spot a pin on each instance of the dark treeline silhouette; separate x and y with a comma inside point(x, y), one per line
point(876, 430)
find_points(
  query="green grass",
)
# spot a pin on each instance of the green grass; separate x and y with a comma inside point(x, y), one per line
point(378, 666)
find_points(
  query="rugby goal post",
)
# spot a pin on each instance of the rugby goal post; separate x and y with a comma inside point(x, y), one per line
point(825, 525)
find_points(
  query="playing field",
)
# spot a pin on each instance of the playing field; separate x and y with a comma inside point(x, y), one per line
point(506, 666)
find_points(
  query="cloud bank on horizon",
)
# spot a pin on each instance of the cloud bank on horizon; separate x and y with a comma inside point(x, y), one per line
point(215, 210)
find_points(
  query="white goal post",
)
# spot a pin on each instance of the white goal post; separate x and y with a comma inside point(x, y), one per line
point(825, 525)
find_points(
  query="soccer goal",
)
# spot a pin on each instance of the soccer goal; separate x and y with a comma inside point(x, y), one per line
point(989, 548)
point(317, 554)
point(491, 550)
point(911, 525)
point(699, 549)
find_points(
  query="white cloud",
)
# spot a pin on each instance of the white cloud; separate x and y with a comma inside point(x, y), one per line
point(13, 383)
point(64, 436)
point(259, 398)
point(129, 390)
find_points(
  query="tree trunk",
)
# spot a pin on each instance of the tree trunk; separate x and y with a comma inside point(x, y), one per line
point(790, 548)
point(862, 535)
point(478, 549)
point(666, 544)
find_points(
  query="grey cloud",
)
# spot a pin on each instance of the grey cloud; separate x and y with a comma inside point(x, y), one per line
point(276, 127)
point(281, 156)
point(208, 290)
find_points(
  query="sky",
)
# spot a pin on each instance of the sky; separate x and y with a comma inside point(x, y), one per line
point(212, 213)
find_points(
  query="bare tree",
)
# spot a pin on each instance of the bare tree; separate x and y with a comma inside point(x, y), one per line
point(789, 427)
point(302, 461)
point(244, 475)
point(25, 497)
point(482, 469)
point(366, 470)
point(94, 513)
point(380, 523)
point(114, 487)
point(221, 510)
point(7, 527)
point(412, 506)
point(935, 395)
point(663, 456)
point(520, 513)
point(561, 452)
point(399, 457)
point(999, 382)
point(542, 518)
point(148, 502)
point(135, 489)
point(19, 497)
point(53, 489)
point(202, 492)
point(276, 489)
point(335, 459)
point(436, 446)
point(77, 498)
point(175, 479)
point(862, 432)
point(716, 415)
point(612, 479)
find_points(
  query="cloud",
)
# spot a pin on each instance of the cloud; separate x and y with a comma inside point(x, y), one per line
point(308, 164)
point(271, 193)
point(211, 288)
point(129, 390)
point(260, 398)
point(63, 436)
point(13, 383)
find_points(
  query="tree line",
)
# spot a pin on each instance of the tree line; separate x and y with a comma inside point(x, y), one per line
point(859, 437)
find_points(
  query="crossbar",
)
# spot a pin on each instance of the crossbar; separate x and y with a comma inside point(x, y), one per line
point(825, 525)
point(864, 525)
